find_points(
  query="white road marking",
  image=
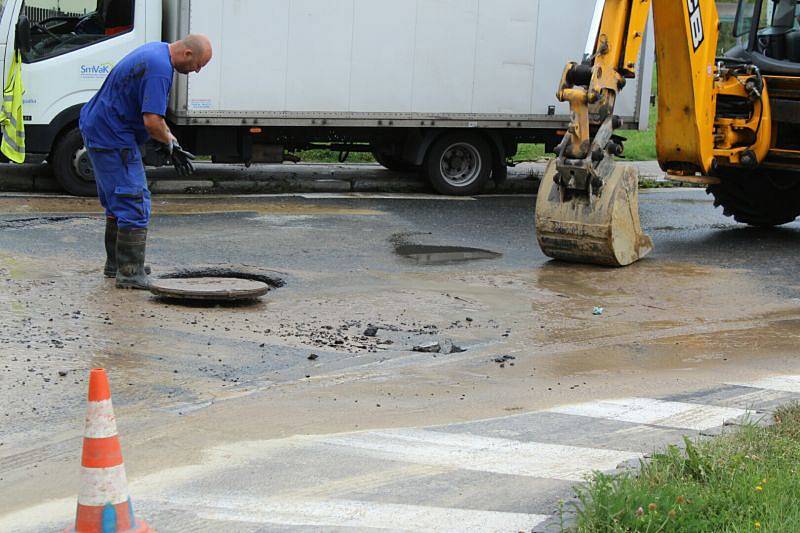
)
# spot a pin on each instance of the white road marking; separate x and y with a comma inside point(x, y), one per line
point(382, 196)
point(353, 514)
point(483, 454)
point(654, 412)
point(777, 383)
point(752, 399)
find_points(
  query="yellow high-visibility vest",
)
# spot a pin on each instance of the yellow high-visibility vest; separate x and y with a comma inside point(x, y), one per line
point(13, 143)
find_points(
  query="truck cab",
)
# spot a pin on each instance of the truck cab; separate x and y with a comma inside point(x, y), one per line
point(68, 48)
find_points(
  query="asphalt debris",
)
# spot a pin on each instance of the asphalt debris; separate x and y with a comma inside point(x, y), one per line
point(445, 347)
point(449, 347)
point(428, 347)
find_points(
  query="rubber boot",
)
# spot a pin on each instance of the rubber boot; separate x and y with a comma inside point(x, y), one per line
point(131, 246)
point(110, 270)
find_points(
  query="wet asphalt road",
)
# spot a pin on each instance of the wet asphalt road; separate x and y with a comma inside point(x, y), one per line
point(202, 368)
point(343, 247)
point(308, 232)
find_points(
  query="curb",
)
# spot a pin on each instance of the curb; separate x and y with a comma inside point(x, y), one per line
point(270, 179)
point(294, 178)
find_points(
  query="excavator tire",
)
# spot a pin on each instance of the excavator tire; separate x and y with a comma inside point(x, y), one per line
point(601, 230)
point(761, 198)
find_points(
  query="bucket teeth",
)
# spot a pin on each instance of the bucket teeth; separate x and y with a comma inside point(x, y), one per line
point(603, 229)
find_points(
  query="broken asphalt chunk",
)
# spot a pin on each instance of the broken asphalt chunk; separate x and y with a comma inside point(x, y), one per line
point(448, 347)
point(428, 347)
point(445, 347)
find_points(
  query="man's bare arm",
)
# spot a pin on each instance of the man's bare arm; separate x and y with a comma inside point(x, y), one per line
point(157, 127)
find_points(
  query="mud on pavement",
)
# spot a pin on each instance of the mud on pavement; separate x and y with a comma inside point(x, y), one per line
point(332, 350)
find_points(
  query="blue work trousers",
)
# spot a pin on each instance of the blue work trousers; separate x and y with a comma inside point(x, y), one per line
point(122, 185)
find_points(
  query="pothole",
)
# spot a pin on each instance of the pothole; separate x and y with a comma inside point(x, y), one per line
point(424, 254)
point(440, 255)
point(26, 223)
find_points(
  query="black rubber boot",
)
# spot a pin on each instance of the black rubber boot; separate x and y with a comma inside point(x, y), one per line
point(131, 246)
point(110, 271)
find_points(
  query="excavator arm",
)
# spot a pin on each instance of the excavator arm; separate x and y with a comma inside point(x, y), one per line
point(587, 207)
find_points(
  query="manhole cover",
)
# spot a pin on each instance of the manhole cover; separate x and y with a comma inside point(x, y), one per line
point(216, 289)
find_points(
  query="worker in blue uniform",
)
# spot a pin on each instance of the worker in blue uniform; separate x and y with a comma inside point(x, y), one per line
point(128, 111)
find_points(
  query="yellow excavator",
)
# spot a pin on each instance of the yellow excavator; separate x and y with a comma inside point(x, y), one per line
point(731, 123)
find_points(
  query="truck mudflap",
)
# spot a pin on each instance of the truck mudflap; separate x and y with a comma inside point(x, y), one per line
point(602, 228)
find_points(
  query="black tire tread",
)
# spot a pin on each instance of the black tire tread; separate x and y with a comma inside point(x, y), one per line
point(431, 165)
point(763, 198)
point(392, 163)
point(63, 151)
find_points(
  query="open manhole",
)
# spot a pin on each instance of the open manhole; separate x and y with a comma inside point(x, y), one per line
point(216, 284)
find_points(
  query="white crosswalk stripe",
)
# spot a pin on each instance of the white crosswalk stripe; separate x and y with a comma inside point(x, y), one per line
point(354, 514)
point(777, 383)
point(751, 400)
point(485, 454)
point(348, 479)
point(654, 412)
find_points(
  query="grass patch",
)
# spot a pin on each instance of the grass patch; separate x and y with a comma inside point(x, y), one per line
point(640, 145)
point(329, 156)
point(747, 480)
point(530, 152)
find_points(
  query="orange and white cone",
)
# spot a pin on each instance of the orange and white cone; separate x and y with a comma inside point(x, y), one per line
point(104, 505)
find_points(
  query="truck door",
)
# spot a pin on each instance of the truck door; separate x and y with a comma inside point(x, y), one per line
point(74, 46)
point(75, 43)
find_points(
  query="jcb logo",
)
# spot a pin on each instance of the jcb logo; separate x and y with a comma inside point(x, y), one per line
point(696, 22)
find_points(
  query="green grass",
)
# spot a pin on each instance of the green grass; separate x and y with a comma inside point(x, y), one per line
point(640, 145)
point(329, 156)
point(748, 480)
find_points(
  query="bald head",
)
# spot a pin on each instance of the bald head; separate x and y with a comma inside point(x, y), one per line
point(191, 53)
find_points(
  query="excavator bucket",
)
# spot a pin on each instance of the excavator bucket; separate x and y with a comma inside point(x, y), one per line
point(602, 229)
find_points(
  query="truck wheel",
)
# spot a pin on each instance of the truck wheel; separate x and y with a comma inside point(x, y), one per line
point(71, 165)
point(758, 198)
point(459, 164)
point(391, 162)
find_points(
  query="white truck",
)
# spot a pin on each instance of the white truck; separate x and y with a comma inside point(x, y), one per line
point(447, 86)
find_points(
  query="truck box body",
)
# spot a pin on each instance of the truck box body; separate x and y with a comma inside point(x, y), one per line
point(437, 63)
point(447, 87)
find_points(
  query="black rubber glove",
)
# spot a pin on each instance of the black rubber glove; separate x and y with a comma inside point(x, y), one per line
point(181, 159)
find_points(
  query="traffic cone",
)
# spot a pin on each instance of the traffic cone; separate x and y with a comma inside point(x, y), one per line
point(104, 505)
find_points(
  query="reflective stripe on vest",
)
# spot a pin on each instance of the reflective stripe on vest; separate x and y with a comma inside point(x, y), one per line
point(13, 141)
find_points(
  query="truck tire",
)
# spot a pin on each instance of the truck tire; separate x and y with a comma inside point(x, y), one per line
point(761, 198)
point(71, 165)
point(391, 162)
point(459, 164)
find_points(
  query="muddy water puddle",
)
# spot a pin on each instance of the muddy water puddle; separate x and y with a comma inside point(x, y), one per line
point(443, 255)
point(37, 222)
point(56, 206)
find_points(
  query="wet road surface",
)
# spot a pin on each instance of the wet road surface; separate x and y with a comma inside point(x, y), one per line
point(275, 385)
